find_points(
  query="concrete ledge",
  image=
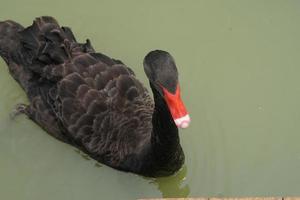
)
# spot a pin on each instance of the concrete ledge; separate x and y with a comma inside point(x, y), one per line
point(250, 198)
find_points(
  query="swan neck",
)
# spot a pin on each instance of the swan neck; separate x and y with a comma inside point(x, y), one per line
point(165, 133)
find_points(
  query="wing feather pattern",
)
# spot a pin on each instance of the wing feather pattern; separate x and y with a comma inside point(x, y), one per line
point(94, 101)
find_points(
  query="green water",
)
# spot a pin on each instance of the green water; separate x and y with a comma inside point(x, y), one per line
point(239, 64)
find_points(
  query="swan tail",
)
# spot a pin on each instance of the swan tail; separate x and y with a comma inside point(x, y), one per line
point(41, 50)
point(9, 39)
point(12, 53)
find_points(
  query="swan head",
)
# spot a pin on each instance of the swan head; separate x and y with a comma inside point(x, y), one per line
point(162, 73)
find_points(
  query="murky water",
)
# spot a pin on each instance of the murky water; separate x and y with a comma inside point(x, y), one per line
point(239, 68)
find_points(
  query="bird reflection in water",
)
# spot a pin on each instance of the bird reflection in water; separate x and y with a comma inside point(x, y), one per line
point(173, 186)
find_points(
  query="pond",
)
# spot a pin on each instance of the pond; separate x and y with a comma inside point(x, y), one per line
point(239, 72)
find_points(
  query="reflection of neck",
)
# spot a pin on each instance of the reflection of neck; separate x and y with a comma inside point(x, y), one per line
point(165, 139)
point(177, 186)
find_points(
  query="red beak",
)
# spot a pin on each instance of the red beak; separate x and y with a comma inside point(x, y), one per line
point(177, 108)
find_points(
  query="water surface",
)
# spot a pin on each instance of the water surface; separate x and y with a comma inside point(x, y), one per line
point(239, 73)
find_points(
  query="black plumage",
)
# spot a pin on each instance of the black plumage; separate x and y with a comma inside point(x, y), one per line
point(92, 101)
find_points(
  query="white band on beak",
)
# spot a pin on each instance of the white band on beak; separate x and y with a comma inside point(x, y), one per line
point(183, 122)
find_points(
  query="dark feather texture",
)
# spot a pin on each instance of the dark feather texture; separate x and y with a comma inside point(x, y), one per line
point(90, 100)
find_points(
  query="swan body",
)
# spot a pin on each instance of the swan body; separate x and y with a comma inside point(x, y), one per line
point(95, 102)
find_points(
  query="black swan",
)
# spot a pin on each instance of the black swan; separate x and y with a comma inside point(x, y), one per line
point(95, 102)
